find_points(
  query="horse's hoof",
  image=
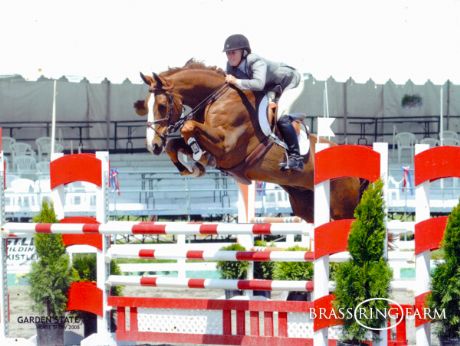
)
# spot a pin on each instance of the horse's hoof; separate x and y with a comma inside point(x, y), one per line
point(211, 161)
point(198, 171)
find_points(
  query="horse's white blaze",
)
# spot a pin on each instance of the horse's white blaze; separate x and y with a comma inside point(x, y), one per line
point(150, 135)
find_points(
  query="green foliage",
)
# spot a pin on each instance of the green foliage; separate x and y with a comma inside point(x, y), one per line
point(51, 275)
point(437, 254)
point(297, 271)
point(445, 284)
point(233, 269)
point(366, 275)
point(86, 269)
point(263, 270)
point(332, 269)
point(367, 237)
point(85, 265)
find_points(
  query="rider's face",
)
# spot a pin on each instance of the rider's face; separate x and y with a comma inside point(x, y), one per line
point(234, 57)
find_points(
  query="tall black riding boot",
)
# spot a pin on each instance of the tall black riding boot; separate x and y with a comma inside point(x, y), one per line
point(295, 160)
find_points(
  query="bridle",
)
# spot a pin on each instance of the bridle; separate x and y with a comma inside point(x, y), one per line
point(172, 128)
point(170, 114)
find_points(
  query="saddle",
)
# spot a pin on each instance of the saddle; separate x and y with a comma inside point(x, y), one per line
point(267, 117)
point(267, 111)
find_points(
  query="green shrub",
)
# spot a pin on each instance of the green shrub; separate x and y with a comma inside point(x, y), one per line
point(51, 274)
point(366, 275)
point(445, 284)
point(233, 269)
point(296, 271)
point(85, 266)
point(263, 270)
point(86, 269)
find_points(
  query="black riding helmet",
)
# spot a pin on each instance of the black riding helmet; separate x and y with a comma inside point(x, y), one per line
point(237, 41)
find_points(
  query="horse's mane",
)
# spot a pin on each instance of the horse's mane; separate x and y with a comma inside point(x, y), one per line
point(193, 64)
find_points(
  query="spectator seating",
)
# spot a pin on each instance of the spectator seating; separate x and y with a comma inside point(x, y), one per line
point(44, 148)
point(24, 164)
point(432, 142)
point(405, 141)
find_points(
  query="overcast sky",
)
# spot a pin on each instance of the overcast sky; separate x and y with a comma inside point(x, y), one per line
point(363, 39)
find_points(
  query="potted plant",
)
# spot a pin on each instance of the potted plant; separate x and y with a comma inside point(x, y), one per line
point(233, 269)
point(445, 284)
point(366, 275)
point(296, 271)
point(50, 279)
point(85, 268)
point(263, 270)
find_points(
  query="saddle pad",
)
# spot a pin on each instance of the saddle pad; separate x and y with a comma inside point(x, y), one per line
point(263, 116)
point(304, 142)
point(302, 137)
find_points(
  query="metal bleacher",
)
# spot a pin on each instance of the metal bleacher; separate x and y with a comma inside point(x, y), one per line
point(153, 186)
point(150, 186)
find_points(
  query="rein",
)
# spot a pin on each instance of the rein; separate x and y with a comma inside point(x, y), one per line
point(178, 124)
point(210, 98)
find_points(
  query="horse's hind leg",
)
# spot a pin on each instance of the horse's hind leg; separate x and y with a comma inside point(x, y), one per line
point(345, 196)
point(302, 202)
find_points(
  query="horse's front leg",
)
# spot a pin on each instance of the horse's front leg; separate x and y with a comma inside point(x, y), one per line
point(215, 140)
point(181, 156)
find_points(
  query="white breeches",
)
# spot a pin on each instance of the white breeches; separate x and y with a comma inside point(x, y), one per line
point(288, 97)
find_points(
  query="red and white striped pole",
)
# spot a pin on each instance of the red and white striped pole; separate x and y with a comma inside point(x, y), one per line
point(103, 268)
point(211, 255)
point(127, 227)
point(246, 212)
point(382, 149)
point(321, 265)
point(422, 260)
point(168, 282)
point(3, 251)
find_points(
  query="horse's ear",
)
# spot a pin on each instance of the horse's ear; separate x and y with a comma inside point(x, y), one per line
point(189, 62)
point(158, 80)
point(147, 79)
point(142, 106)
point(162, 82)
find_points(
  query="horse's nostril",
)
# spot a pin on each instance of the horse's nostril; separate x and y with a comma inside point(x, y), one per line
point(157, 149)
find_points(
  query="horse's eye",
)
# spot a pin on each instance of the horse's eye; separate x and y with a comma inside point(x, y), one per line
point(161, 108)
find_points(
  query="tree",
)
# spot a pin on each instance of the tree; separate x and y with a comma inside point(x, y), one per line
point(50, 279)
point(445, 284)
point(366, 275)
point(51, 275)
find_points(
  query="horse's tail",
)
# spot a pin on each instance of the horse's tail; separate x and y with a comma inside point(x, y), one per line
point(363, 184)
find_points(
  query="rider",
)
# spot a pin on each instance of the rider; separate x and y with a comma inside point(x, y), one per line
point(249, 71)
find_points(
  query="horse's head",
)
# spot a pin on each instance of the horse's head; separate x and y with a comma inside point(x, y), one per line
point(163, 109)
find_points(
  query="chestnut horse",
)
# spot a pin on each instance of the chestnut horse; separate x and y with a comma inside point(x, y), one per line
point(224, 122)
